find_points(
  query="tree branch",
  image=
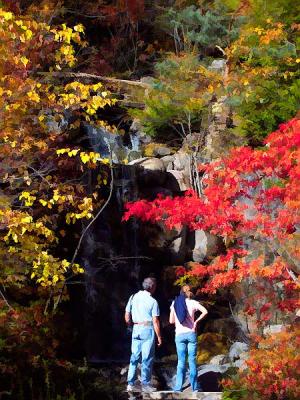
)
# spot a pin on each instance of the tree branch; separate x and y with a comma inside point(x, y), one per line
point(5, 300)
point(90, 224)
point(96, 77)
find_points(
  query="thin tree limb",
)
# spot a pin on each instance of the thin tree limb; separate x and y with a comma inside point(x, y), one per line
point(5, 300)
point(96, 77)
point(89, 225)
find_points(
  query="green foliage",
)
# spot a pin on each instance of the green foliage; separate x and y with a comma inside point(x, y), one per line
point(202, 29)
point(264, 83)
point(233, 395)
point(269, 105)
point(286, 11)
point(173, 101)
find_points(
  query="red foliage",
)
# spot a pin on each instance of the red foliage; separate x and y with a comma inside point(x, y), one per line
point(134, 8)
point(251, 194)
point(272, 370)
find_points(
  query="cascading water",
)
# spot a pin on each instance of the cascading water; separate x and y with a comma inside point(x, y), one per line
point(110, 256)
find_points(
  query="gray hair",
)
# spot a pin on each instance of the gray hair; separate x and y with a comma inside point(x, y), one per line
point(149, 283)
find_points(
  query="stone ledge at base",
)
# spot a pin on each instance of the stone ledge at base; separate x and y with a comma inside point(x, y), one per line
point(168, 395)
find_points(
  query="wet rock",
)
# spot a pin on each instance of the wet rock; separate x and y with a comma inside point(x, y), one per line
point(172, 243)
point(217, 360)
point(218, 65)
point(137, 129)
point(241, 362)
point(209, 377)
point(205, 245)
point(177, 181)
point(168, 162)
point(149, 163)
point(178, 247)
point(236, 349)
point(162, 151)
point(151, 171)
point(182, 161)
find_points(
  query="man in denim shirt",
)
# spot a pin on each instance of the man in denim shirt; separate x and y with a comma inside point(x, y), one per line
point(143, 311)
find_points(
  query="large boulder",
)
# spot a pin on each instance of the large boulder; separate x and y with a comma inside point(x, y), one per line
point(204, 245)
point(168, 162)
point(170, 243)
point(149, 163)
point(177, 181)
point(237, 349)
point(151, 171)
point(162, 151)
point(182, 161)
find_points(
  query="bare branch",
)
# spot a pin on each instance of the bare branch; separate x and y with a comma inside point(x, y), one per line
point(5, 300)
point(96, 77)
point(90, 224)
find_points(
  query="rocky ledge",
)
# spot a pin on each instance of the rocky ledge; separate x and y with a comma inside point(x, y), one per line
point(184, 395)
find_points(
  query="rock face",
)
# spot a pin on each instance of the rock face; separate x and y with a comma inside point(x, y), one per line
point(168, 162)
point(206, 245)
point(149, 163)
point(183, 396)
point(237, 349)
point(182, 182)
point(219, 139)
point(182, 162)
point(140, 249)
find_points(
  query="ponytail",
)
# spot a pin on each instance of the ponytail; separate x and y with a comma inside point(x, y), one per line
point(186, 292)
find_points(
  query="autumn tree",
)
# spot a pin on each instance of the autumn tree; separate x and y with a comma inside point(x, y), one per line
point(37, 117)
point(251, 200)
point(263, 81)
point(43, 168)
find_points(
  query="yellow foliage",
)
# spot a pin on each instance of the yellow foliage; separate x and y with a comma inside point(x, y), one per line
point(32, 111)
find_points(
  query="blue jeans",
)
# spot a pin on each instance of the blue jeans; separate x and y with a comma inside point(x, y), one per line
point(186, 343)
point(142, 344)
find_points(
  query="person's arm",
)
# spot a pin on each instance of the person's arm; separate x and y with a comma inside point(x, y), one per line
point(172, 316)
point(156, 326)
point(127, 317)
point(203, 314)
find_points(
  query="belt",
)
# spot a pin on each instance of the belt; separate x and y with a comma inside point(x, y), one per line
point(145, 323)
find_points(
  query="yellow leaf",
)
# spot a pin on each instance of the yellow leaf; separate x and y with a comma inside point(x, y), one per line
point(84, 157)
point(7, 15)
point(24, 60)
point(78, 28)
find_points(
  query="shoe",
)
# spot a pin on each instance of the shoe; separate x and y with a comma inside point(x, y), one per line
point(148, 389)
point(132, 388)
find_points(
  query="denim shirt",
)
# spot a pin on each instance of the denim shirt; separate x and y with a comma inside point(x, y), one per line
point(142, 307)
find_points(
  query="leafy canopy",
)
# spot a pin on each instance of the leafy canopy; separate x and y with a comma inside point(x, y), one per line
point(37, 115)
point(258, 205)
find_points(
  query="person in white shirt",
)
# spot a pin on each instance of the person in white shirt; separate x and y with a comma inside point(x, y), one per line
point(186, 337)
